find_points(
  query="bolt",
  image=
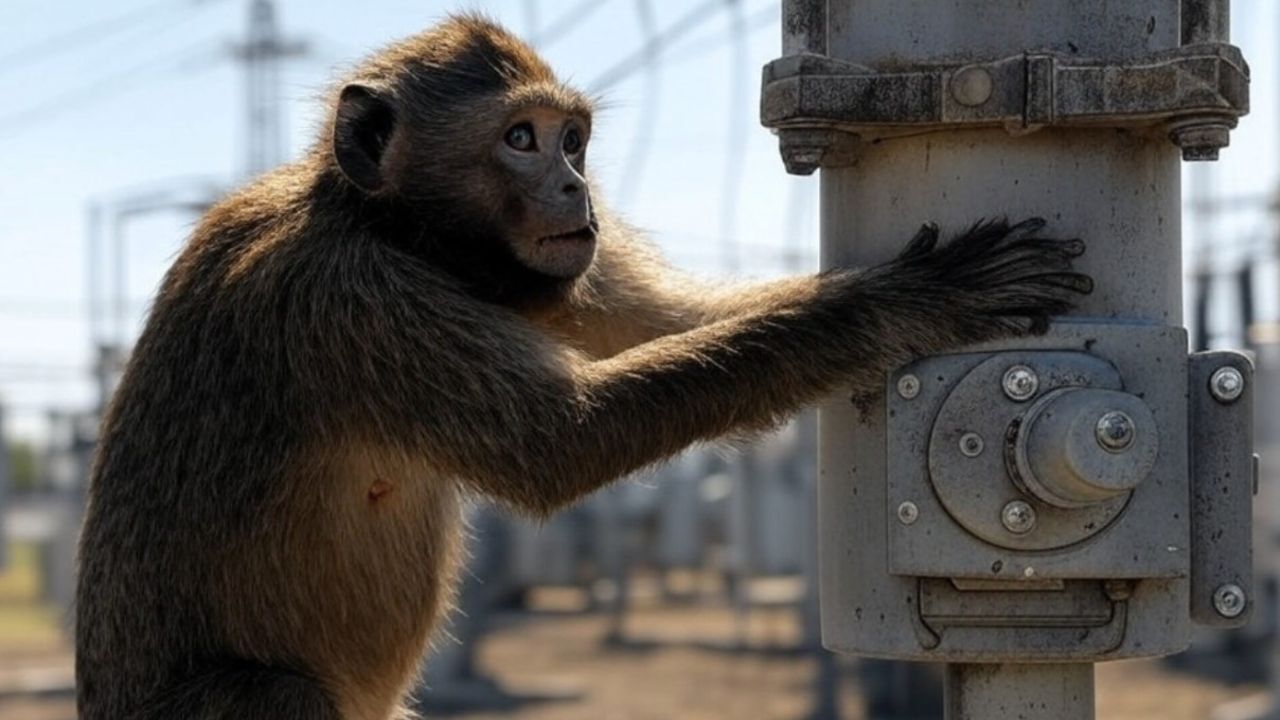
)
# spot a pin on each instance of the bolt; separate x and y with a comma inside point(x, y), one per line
point(1115, 431)
point(971, 445)
point(908, 512)
point(1018, 517)
point(971, 86)
point(1028, 572)
point(1020, 383)
point(1227, 384)
point(1229, 600)
point(804, 151)
point(908, 386)
point(1201, 139)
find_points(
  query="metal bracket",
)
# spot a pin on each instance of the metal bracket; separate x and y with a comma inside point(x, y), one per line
point(1197, 92)
point(1223, 481)
point(1072, 620)
point(1142, 536)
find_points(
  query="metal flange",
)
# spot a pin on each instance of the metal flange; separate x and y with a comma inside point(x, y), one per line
point(1197, 92)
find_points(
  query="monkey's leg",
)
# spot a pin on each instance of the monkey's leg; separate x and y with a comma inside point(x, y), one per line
point(243, 691)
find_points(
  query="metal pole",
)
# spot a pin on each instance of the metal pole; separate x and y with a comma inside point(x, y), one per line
point(1079, 113)
point(1044, 692)
point(1121, 192)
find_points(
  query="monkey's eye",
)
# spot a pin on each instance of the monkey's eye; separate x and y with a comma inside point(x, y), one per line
point(520, 137)
point(572, 141)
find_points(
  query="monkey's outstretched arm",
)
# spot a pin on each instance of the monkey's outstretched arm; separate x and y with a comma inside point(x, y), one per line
point(528, 421)
point(633, 295)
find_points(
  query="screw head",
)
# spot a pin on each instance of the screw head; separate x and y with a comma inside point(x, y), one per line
point(1020, 383)
point(971, 444)
point(972, 86)
point(908, 513)
point(1018, 517)
point(1229, 600)
point(908, 386)
point(1226, 384)
point(1115, 431)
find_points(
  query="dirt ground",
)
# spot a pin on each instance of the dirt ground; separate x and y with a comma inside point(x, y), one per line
point(677, 667)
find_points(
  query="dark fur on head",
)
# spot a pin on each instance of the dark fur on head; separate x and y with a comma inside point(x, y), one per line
point(442, 202)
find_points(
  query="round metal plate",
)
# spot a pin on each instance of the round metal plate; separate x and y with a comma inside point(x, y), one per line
point(974, 490)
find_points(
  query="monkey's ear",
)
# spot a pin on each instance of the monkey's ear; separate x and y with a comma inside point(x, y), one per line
point(362, 130)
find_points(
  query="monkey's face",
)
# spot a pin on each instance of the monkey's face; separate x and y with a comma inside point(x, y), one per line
point(469, 153)
point(549, 223)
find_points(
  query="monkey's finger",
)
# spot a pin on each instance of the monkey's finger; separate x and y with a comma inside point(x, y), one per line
point(925, 240)
point(1066, 280)
point(1075, 247)
point(1072, 281)
point(1028, 227)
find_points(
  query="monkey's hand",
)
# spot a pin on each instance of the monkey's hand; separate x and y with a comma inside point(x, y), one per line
point(992, 281)
point(996, 279)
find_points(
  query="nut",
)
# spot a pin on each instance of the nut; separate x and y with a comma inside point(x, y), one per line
point(1115, 431)
point(1018, 517)
point(908, 386)
point(908, 513)
point(1020, 383)
point(971, 444)
point(972, 86)
point(1229, 600)
point(1226, 384)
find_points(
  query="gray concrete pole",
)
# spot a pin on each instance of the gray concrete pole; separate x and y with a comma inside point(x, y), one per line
point(1079, 112)
point(1045, 692)
point(1119, 191)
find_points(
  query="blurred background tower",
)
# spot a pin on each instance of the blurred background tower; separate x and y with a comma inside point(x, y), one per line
point(261, 54)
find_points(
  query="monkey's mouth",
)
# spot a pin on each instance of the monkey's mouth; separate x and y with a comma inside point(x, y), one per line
point(584, 234)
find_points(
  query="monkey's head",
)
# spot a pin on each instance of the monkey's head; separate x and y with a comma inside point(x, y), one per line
point(470, 151)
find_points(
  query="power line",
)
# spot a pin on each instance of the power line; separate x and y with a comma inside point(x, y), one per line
point(87, 35)
point(761, 19)
point(106, 86)
point(648, 118)
point(566, 22)
point(736, 138)
point(636, 60)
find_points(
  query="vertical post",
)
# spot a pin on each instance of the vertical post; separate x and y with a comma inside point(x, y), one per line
point(261, 52)
point(1045, 692)
point(6, 479)
point(1205, 21)
point(1121, 192)
point(804, 27)
point(120, 304)
point(919, 111)
point(93, 273)
point(262, 84)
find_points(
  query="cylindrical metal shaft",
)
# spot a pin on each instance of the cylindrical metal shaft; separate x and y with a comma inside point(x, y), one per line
point(1044, 692)
point(1119, 190)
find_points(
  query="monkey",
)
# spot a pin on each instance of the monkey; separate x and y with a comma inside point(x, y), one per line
point(432, 303)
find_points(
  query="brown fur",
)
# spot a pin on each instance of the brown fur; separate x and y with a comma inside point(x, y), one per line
point(273, 524)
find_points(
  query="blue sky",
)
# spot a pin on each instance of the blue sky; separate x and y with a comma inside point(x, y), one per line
point(158, 101)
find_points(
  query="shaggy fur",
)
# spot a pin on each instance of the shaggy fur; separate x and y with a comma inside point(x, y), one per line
point(273, 524)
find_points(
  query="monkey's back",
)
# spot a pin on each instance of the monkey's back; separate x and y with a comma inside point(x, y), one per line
point(218, 528)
